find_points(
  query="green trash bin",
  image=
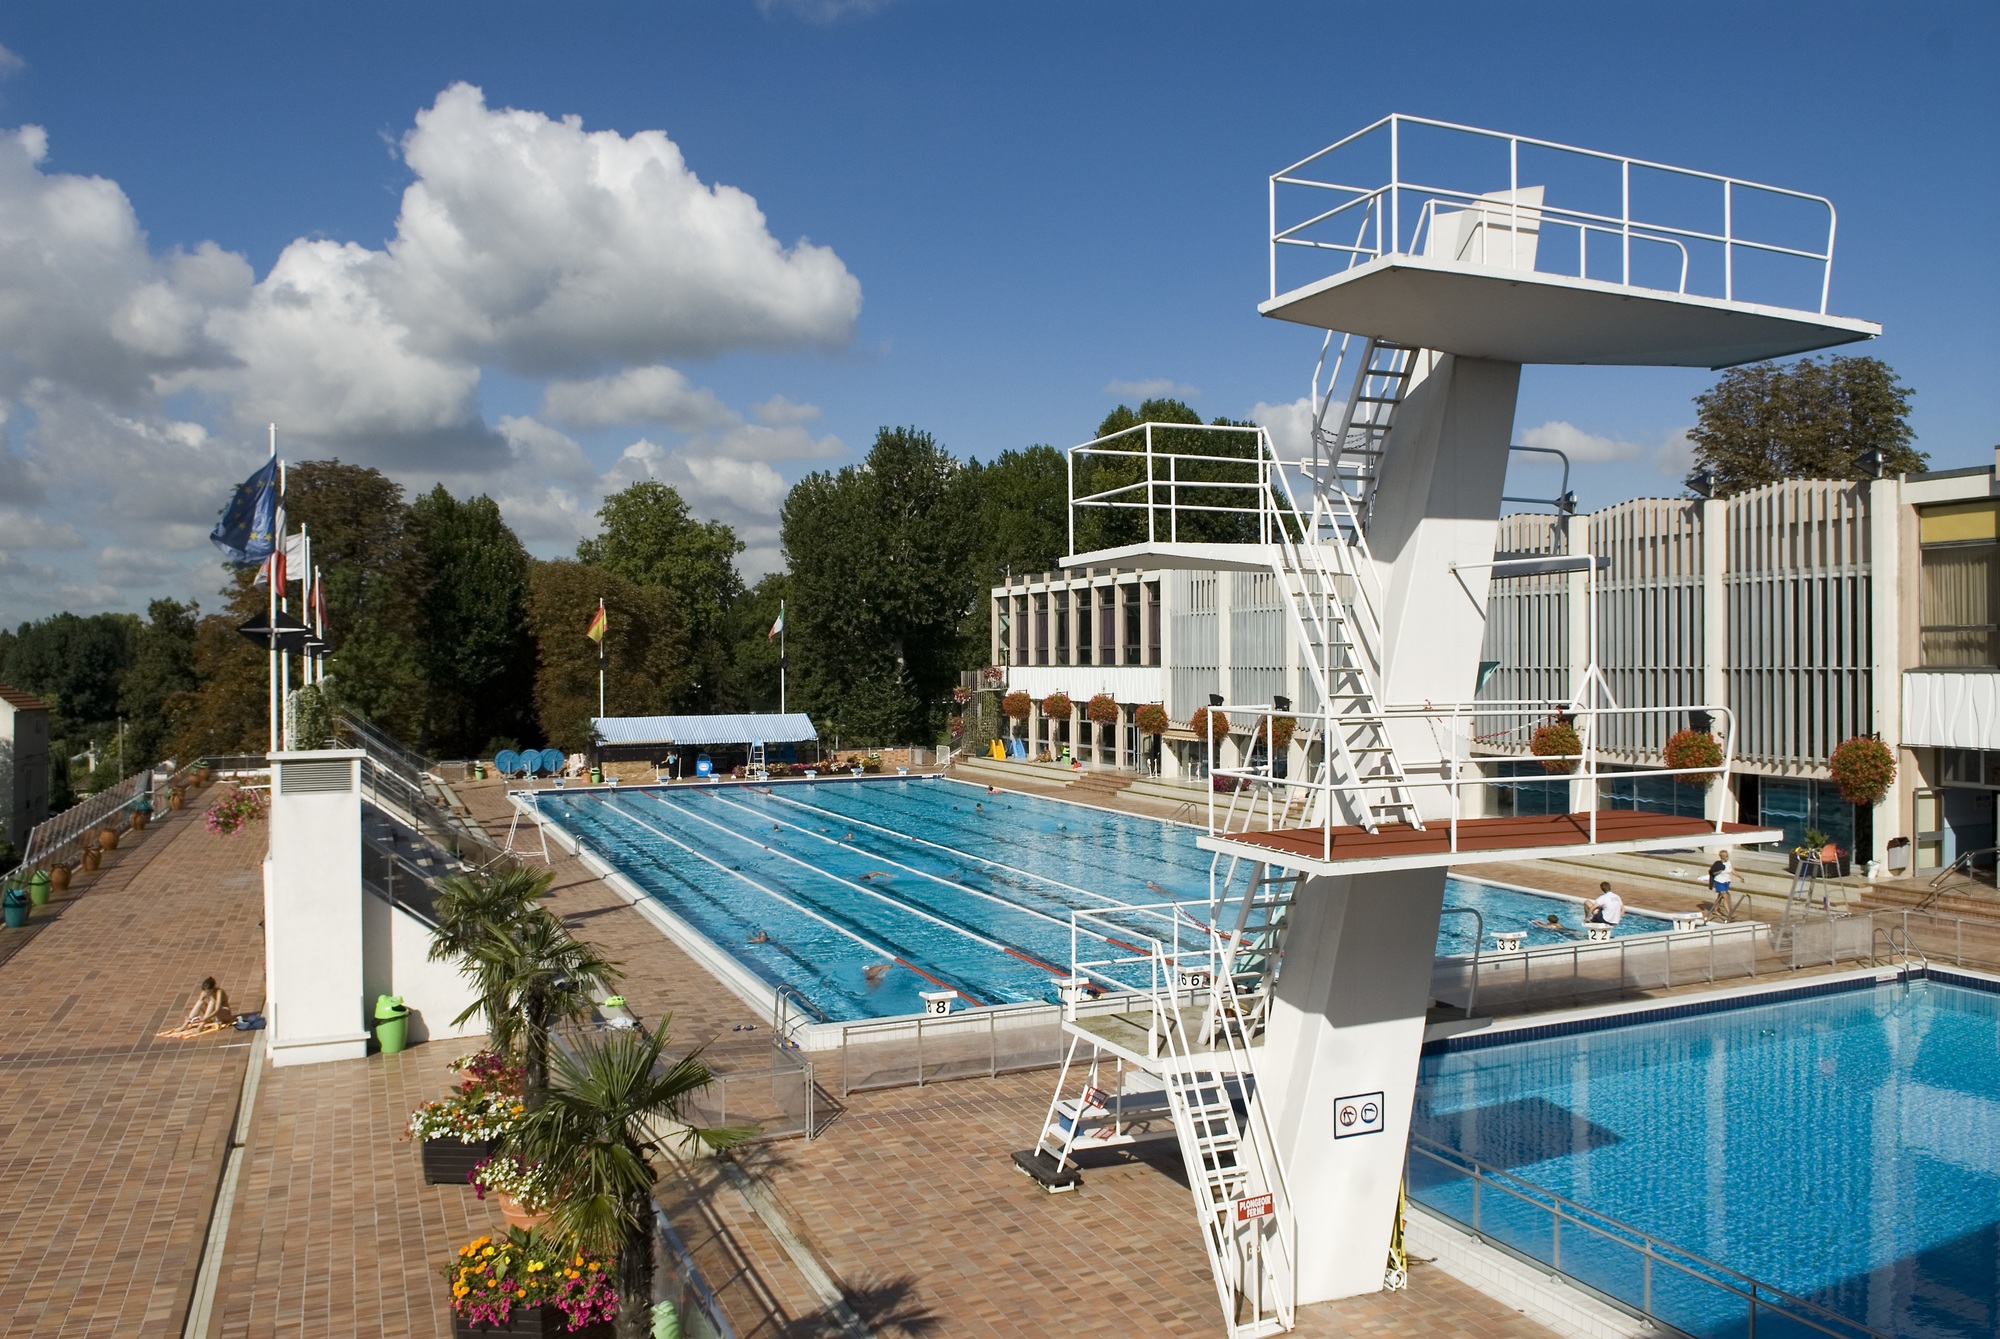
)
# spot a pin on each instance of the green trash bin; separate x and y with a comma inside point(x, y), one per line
point(38, 888)
point(15, 904)
point(596, 776)
point(392, 1023)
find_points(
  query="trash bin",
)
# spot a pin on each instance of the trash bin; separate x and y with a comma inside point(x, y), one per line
point(15, 903)
point(38, 888)
point(392, 1023)
point(596, 776)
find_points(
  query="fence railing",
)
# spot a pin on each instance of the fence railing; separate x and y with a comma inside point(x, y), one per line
point(1621, 965)
point(54, 838)
point(1964, 941)
point(1635, 1270)
point(694, 1305)
point(780, 1100)
point(973, 1043)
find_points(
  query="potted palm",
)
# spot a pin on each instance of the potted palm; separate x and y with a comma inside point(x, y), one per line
point(609, 1107)
point(531, 974)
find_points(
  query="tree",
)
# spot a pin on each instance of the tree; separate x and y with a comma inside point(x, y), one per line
point(650, 539)
point(598, 1123)
point(645, 648)
point(473, 906)
point(161, 676)
point(228, 709)
point(752, 681)
point(1195, 482)
point(880, 585)
point(530, 973)
point(1810, 420)
point(77, 664)
point(479, 661)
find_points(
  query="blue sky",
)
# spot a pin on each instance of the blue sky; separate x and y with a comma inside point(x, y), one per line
point(1019, 207)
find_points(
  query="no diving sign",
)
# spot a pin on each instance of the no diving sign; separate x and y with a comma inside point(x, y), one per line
point(1253, 1207)
point(1360, 1114)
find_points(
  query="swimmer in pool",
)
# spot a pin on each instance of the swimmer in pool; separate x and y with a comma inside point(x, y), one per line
point(874, 874)
point(1156, 888)
point(848, 838)
point(978, 808)
point(993, 790)
point(874, 974)
point(759, 938)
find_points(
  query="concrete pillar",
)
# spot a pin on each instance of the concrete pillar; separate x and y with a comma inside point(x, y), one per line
point(314, 946)
point(1348, 1019)
point(1712, 519)
point(1886, 652)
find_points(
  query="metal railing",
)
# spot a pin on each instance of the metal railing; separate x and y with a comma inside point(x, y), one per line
point(1633, 1269)
point(1399, 215)
point(695, 1306)
point(965, 1044)
point(1478, 941)
point(1622, 964)
point(1945, 938)
point(1449, 767)
point(55, 837)
point(781, 1100)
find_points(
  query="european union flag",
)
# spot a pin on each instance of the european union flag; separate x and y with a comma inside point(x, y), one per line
point(248, 530)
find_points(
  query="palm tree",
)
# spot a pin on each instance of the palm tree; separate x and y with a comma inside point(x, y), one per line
point(471, 905)
point(611, 1105)
point(531, 974)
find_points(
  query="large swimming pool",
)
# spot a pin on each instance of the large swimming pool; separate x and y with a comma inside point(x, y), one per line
point(812, 884)
point(1844, 1148)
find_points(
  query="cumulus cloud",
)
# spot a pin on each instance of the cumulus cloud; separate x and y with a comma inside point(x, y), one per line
point(636, 395)
point(1290, 426)
point(10, 63)
point(1581, 447)
point(1151, 390)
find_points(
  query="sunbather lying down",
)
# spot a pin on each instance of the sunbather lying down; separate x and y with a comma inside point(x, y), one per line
point(210, 1012)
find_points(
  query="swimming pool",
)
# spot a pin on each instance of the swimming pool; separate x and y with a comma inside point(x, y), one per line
point(1843, 1147)
point(812, 884)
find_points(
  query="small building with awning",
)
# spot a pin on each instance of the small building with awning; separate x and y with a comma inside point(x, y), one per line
point(674, 743)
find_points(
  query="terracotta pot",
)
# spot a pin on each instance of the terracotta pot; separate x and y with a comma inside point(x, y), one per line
point(138, 821)
point(176, 799)
point(108, 839)
point(516, 1216)
point(91, 859)
point(58, 877)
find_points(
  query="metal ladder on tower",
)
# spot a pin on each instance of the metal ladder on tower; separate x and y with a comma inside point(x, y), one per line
point(758, 768)
point(1349, 457)
point(1240, 1196)
point(1252, 950)
point(1327, 585)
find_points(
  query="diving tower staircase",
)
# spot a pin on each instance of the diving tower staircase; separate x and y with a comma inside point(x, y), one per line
point(1183, 1047)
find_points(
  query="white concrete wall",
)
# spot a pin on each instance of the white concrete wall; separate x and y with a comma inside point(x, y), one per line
point(314, 943)
point(397, 958)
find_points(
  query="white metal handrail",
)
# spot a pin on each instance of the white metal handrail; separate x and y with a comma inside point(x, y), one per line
point(1454, 768)
point(1381, 206)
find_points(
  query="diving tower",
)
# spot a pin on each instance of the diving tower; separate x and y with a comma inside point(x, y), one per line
point(1442, 258)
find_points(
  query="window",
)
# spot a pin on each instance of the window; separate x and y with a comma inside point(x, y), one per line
point(1062, 627)
point(1134, 624)
point(1958, 605)
point(1003, 648)
point(1042, 629)
point(1107, 625)
point(1152, 623)
point(1083, 626)
point(1023, 654)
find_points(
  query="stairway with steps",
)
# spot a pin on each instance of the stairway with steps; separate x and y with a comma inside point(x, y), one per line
point(1102, 782)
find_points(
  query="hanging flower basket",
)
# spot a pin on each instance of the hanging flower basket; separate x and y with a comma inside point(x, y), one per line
point(526, 1283)
point(1202, 719)
point(227, 816)
point(1058, 706)
point(1017, 705)
point(1552, 742)
point(1103, 709)
point(1279, 729)
point(1689, 749)
point(1152, 719)
point(1864, 769)
point(961, 694)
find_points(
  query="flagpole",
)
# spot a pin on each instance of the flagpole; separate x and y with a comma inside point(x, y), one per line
point(269, 573)
point(600, 662)
point(781, 657)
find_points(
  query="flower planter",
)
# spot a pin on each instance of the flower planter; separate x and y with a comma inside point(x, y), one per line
point(1829, 869)
point(58, 877)
point(91, 859)
point(108, 839)
point(138, 821)
point(532, 1320)
point(447, 1162)
point(516, 1216)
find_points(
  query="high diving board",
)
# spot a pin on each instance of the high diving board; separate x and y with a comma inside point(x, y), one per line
point(1528, 316)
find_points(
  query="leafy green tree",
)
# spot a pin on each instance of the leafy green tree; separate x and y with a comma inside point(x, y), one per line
point(752, 682)
point(880, 586)
point(162, 674)
point(479, 661)
point(77, 664)
point(1211, 480)
point(650, 539)
point(376, 588)
point(645, 645)
point(1808, 420)
point(600, 1124)
point(228, 710)
point(471, 907)
point(530, 974)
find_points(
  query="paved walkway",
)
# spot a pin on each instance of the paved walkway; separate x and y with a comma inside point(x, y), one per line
point(110, 1140)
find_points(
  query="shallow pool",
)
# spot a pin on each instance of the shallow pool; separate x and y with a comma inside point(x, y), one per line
point(1844, 1148)
point(939, 883)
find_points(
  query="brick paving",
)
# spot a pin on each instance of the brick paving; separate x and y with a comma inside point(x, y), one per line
point(110, 1140)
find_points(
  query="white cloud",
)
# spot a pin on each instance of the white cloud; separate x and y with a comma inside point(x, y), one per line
point(821, 11)
point(1290, 426)
point(1151, 390)
point(779, 412)
point(1581, 447)
point(636, 395)
point(1675, 456)
point(10, 63)
point(27, 530)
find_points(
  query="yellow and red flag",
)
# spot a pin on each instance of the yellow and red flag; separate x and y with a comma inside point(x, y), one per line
point(596, 629)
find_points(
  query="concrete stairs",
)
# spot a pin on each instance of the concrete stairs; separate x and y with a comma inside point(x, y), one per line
point(993, 772)
point(1958, 897)
point(1102, 783)
point(1761, 875)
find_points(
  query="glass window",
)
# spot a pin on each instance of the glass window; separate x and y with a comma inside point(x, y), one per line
point(1957, 605)
point(1041, 629)
point(1003, 624)
point(1107, 626)
point(1153, 623)
point(1062, 627)
point(1134, 624)
point(1083, 627)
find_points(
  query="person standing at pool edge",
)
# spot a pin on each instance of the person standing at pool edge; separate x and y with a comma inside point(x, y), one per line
point(1607, 908)
point(1720, 874)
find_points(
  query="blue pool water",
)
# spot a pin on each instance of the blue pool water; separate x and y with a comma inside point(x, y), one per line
point(953, 887)
point(1844, 1148)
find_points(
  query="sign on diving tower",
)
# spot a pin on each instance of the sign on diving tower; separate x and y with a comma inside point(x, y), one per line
point(1442, 258)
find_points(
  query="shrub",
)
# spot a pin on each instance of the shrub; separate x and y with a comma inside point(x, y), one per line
point(1058, 706)
point(1553, 740)
point(1692, 748)
point(1017, 705)
point(1863, 768)
point(1102, 709)
point(1152, 719)
point(228, 815)
point(493, 1275)
point(1201, 720)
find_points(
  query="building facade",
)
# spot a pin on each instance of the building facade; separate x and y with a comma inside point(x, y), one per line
point(1812, 610)
point(24, 763)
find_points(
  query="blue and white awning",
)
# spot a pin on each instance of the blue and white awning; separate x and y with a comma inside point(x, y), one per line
point(706, 731)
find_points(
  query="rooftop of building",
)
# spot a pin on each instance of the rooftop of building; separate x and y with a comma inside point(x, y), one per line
point(20, 699)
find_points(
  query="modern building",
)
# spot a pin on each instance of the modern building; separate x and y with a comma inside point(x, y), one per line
point(24, 763)
point(1815, 610)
